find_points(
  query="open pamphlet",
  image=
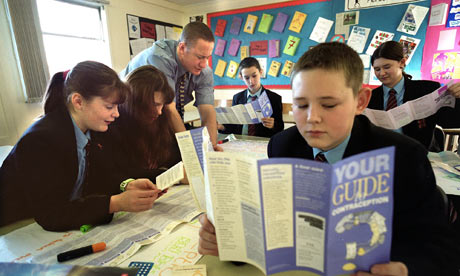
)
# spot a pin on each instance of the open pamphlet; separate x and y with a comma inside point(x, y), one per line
point(284, 214)
point(192, 145)
point(417, 109)
point(170, 177)
point(243, 114)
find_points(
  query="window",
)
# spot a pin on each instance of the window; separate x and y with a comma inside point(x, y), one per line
point(72, 33)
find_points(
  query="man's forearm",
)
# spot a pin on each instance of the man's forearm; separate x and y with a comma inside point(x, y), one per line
point(208, 119)
point(174, 118)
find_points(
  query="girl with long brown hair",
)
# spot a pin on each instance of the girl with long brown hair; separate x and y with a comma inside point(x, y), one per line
point(149, 144)
point(61, 171)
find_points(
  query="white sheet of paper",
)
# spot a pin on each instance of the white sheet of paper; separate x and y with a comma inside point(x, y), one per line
point(161, 32)
point(170, 177)
point(321, 30)
point(134, 28)
point(378, 38)
point(139, 45)
point(412, 19)
point(447, 39)
point(366, 59)
point(358, 38)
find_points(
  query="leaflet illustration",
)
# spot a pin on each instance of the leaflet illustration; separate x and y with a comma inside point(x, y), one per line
point(417, 109)
point(250, 113)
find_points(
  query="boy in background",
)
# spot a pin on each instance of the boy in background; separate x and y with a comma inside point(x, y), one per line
point(328, 99)
point(250, 72)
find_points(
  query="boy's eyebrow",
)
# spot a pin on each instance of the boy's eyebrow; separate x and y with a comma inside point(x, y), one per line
point(321, 98)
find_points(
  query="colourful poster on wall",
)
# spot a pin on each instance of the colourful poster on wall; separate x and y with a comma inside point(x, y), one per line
point(453, 18)
point(446, 66)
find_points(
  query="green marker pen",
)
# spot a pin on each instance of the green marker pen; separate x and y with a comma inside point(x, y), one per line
point(85, 228)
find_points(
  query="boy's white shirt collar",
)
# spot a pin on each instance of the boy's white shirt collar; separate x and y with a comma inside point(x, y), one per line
point(336, 154)
point(257, 94)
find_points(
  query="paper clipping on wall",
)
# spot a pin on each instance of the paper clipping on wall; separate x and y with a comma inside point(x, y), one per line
point(412, 19)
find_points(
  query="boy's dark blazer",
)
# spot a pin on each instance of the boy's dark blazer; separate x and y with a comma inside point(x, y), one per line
point(261, 131)
point(38, 177)
point(422, 239)
point(421, 130)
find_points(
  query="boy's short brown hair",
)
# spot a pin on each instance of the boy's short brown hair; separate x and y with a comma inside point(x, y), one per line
point(333, 56)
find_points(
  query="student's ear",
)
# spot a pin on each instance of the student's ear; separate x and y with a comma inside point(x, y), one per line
point(363, 98)
point(402, 63)
point(181, 48)
point(77, 100)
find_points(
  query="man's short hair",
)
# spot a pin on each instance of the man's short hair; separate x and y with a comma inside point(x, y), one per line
point(194, 31)
point(333, 56)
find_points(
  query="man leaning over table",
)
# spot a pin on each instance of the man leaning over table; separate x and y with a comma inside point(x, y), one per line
point(185, 64)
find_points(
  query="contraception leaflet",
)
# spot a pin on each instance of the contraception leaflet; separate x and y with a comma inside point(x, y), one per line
point(283, 214)
point(243, 114)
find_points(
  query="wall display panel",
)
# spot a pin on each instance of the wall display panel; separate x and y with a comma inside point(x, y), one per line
point(274, 33)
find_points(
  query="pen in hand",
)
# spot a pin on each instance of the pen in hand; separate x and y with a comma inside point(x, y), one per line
point(80, 252)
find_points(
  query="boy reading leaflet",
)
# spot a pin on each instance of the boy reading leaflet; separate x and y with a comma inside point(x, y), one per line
point(328, 99)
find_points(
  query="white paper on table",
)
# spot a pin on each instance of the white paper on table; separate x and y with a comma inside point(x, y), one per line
point(321, 30)
point(412, 19)
point(358, 38)
point(178, 248)
point(134, 28)
point(447, 39)
point(124, 235)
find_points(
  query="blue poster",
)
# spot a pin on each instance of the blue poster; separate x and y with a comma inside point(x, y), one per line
point(453, 18)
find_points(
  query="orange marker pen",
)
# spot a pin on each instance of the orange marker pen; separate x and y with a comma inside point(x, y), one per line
point(80, 252)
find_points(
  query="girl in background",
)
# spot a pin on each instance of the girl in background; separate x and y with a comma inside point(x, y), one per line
point(389, 62)
point(61, 170)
